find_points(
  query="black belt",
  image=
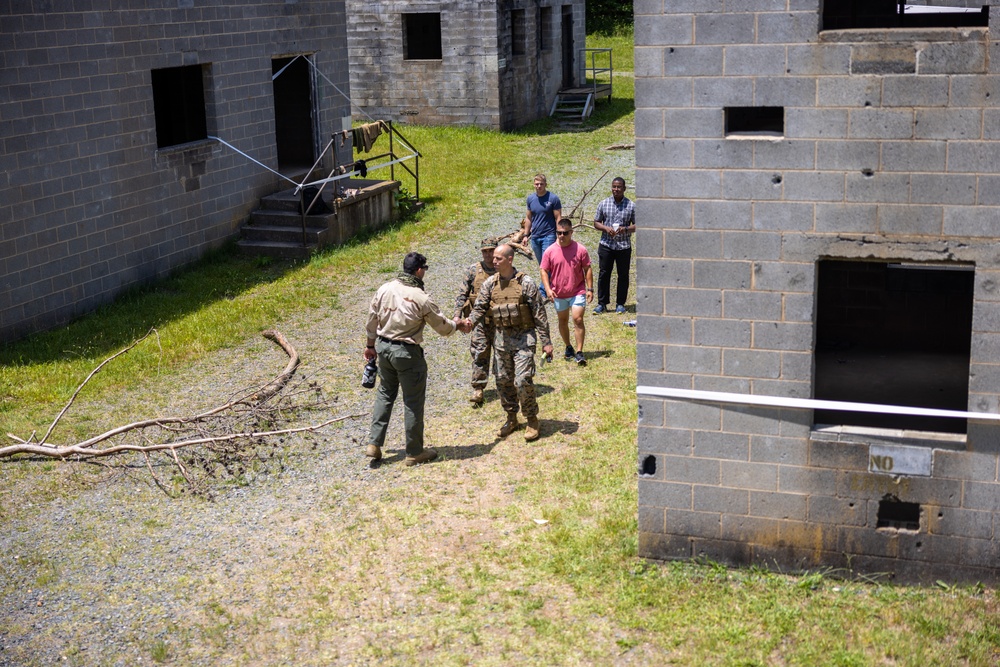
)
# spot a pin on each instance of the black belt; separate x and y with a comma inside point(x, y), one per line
point(396, 342)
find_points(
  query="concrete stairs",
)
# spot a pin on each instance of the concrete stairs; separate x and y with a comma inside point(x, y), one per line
point(275, 229)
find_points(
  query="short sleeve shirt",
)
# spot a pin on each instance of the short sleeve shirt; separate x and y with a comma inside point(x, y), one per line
point(543, 216)
point(567, 269)
point(611, 213)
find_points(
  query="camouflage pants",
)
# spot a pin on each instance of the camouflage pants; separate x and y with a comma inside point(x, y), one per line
point(514, 365)
point(481, 348)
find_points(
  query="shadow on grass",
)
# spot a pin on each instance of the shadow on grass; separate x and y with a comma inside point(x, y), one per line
point(445, 452)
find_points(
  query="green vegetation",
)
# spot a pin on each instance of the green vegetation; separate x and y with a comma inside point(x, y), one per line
point(543, 568)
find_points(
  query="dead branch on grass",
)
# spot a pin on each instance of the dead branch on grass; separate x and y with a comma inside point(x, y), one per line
point(229, 440)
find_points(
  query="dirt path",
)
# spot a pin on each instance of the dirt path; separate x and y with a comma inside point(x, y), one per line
point(331, 561)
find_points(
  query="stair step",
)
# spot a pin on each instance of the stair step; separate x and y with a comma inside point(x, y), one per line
point(282, 218)
point(279, 233)
point(280, 249)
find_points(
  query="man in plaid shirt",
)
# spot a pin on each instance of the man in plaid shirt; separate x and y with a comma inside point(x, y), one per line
point(615, 219)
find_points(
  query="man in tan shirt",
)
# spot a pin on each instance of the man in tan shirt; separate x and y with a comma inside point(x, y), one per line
point(396, 318)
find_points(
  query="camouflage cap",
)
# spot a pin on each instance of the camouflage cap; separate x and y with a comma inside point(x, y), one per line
point(488, 244)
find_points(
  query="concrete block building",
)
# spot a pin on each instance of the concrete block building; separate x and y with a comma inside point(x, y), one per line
point(495, 64)
point(113, 169)
point(818, 184)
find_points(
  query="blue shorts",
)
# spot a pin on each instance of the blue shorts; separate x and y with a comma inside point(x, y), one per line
point(564, 304)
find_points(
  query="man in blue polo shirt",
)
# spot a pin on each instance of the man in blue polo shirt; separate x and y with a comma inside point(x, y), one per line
point(544, 211)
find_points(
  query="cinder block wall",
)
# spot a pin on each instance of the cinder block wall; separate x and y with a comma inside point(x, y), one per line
point(88, 206)
point(477, 81)
point(890, 152)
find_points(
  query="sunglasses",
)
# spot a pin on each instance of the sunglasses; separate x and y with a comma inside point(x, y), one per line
point(563, 233)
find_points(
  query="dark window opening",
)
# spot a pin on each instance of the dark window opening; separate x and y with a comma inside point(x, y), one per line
point(754, 121)
point(847, 14)
point(422, 36)
point(648, 466)
point(545, 29)
point(892, 513)
point(179, 105)
point(517, 32)
point(893, 334)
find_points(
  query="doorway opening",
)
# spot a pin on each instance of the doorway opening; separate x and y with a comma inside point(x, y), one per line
point(293, 113)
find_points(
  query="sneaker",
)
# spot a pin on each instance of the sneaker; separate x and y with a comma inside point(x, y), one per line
point(600, 309)
point(620, 309)
point(531, 432)
point(580, 361)
point(569, 352)
point(374, 452)
point(427, 455)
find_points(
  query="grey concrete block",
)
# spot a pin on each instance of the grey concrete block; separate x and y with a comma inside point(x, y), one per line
point(783, 216)
point(798, 307)
point(791, 506)
point(651, 519)
point(777, 449)
point(981, 496)
point(698, 244)
point(666, 495)
point(814, 186)
point(974, 157)
point(883, 59)
point(693, 122)
point(722, 274)
point(943, 189)
point(853, 91)
point(735, 28)
point(987, 285)
point(784, 154)
point(693, 359)
point(910, 220)
point(985, 347)
point(914, 91)
point(784, 91)
point(715, 445)
point(721, 333)
point(751, 363)
point(812, 481)
point(722, 215)
point(693, 61)
point(918, 156)
point(975, 91)
point(693, 184)
point(693, 302)
point(959, 522)
point(693, 524)
point(858, 218)
point(720, 499)
point(648, 60)
point(881, 124)
point(752, 305)
point(694, 7)
point(750, 476)
point(754, 60)
point(673, 30)
point(649, 300)
point(662, 93)
point(647, 7)
point(838, 455)
point(659, 329)
point(751, 186)
point(690, 470)
point(694, 416)
point(715, 92)
point(955, 124)
point(839, 511)
point(661, 153)
point(787, 27)
point(751, 245)
point(784, 276)
point(752, 420)
point(976, 221)
point(970, 57)
point(650, 414)
point(647, 242)
point(880, 187)
point(722, 154)
point(782, 336)
point(847, 155)
point(665, 272)
point(670, 441)
point(663, 213)
point(819, 59)
point(649, 123)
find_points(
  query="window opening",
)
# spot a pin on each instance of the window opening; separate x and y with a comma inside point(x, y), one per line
point(847, 14)
point(892, 513)
point(895, 334)
point(179, 105)
point(755, 121)
point(517, 32)
point(545, 29)
point(422, 36)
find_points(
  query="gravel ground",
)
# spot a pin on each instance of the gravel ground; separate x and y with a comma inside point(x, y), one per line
point(100, 576)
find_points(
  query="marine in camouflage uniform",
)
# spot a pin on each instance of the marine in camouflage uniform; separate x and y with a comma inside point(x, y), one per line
point(481, 345)
point(519, 320)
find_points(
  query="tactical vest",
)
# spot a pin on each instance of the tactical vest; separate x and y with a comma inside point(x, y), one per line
point(477, 282)
point(506, 304)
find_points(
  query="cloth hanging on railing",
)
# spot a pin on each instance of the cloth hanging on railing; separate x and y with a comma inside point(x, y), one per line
point(365, 135)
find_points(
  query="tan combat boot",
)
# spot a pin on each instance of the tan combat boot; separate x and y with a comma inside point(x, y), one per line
point(531, 433)
point(509, 426)
point(374, 452)
point(477, 396)
point(427, 455)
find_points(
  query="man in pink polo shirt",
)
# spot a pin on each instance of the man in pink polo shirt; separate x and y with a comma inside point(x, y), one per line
point(569, 281)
